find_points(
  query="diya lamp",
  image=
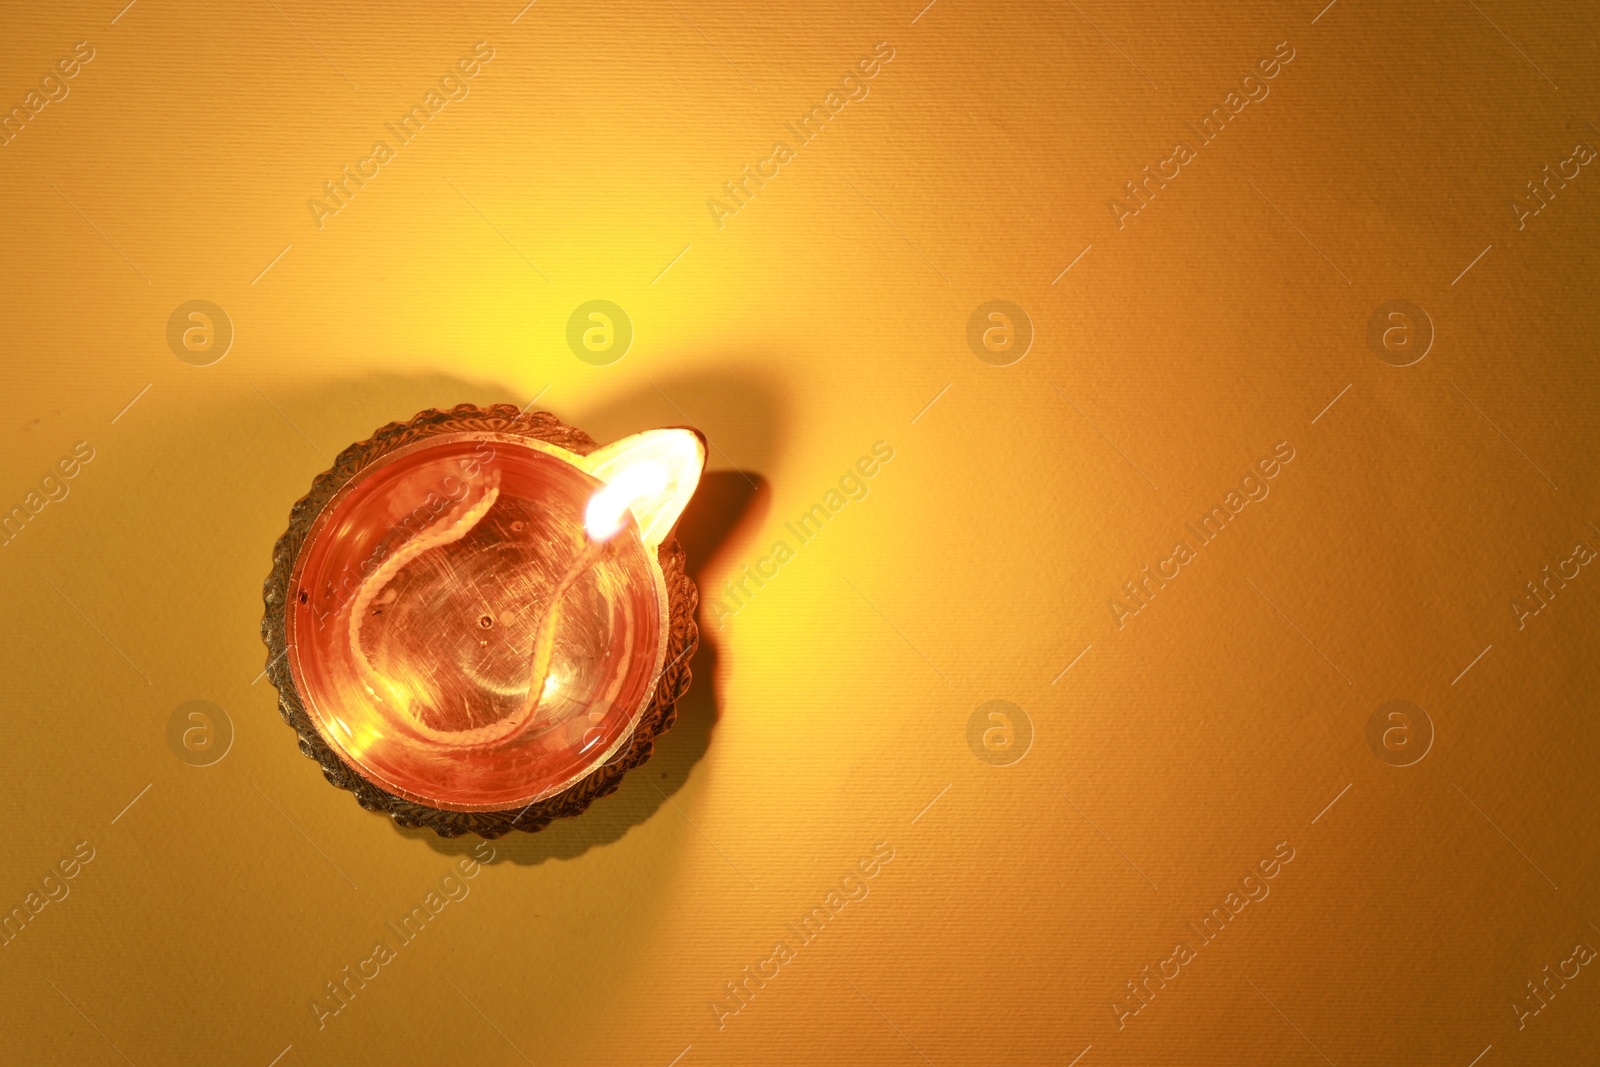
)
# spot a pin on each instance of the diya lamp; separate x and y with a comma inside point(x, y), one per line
point(479, 620)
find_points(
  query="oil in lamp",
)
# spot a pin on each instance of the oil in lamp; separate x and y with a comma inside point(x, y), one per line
point(478, 620)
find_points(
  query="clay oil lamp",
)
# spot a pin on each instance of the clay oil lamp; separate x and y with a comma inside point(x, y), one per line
point(478, 620)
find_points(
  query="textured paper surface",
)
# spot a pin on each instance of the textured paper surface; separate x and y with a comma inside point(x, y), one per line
point(841, 709)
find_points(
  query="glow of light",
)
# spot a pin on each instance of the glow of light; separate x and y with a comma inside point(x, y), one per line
point(651, 474)
point(551, 684)
point(365, 737)
point(638, 481)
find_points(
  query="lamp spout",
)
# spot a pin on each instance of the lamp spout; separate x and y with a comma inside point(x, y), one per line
point(651, 474)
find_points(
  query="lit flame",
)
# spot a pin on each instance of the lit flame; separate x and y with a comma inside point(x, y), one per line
point(652, 475)
point(642, 481)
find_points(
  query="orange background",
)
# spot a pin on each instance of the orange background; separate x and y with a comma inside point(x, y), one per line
point(832, 710)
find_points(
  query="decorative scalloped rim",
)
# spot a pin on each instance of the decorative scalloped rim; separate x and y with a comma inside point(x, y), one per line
point(683, 635)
